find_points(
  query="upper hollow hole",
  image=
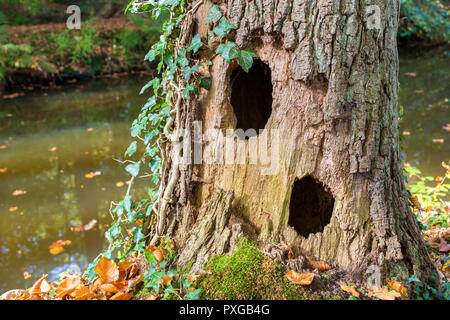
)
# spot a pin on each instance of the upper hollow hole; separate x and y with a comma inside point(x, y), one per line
point(251, 96)
point(311, 206)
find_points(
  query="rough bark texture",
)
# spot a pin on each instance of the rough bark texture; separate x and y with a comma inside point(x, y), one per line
point(335, 102)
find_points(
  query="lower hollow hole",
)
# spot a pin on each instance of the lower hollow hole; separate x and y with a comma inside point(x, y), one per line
point(251, 96)
point(311, 206)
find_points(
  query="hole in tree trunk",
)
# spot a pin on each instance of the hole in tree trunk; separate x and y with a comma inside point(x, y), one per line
point(251, 96)
point(311, 206)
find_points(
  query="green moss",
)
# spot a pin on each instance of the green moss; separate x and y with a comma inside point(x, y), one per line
point(249, 274)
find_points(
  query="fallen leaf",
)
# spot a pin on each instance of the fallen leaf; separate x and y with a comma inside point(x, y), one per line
point(3, 170)
point(384, 293)
point(90, 129)
point(82, 293)
point(41, 286)
point(165, 280)
point(300, 278)
point(12, 209)
point(107, 270)
point(156, 252)
point(67, 286)
point(27, 275)
point(121, 296)
point(18, 192)
point(91, 175)
point(139, 222)
point(2, 147)
point(415, 201)
point(88, 226)
point(397, 286)
point(446, 127)
point(53, 149)
point(290, 252)
point(319, 265)
point(119, 184)
point(444, 246)
point(349, 289)
point(406, 133)
point(438, 140)
point(108, 287)
point(56, 250)
point(192, 277)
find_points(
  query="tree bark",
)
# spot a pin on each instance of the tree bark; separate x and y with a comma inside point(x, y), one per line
point(334, 102)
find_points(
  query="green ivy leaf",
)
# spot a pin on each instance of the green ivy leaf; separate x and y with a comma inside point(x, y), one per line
point(150, 56)
point(223, 28)
point(131, 149)
point(196, 43)
point(245, 58)
point(133, 169)
point(214, 14)
point(228, 51)
point(188, 71)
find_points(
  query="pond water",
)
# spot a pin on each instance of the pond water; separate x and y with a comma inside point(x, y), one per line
point(54, 138)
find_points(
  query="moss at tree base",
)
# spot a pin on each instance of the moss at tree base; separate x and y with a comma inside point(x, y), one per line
point(249, 274)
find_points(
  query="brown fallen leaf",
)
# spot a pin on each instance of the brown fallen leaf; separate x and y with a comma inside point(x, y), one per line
point(290, 252)
point(156, 252)
point(303, 279)
point(56, 250)
point(384, 293)
point(121, 296)
point(2, 147)
point(12, 209)
point(438, 140)
point(192, 277)
point(83, 293)
point(88, 226)
point(319, 265)
point(107, 270)
point(18, 192)
point(165, 280)
point(27, 275)
point(397, 286)
point(3, 170)
point(349, 289)
point(108, 287)
point(53, 149)
point(41, 286)
point(444, 246)
point(67, 286)
point(119, 184)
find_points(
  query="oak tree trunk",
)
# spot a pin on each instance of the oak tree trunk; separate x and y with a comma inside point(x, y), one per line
point(326, 78)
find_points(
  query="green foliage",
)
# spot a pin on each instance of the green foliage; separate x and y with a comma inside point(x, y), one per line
point(162, 281)
point(22, 56)
point(430, 290)
point(424, 20)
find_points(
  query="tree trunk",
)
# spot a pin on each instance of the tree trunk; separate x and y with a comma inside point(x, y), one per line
point(335, 188)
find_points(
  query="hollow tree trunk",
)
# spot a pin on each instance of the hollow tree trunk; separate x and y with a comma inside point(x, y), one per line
point(337, 193)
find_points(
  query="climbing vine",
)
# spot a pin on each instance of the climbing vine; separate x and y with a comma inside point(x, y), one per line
point(141, 222)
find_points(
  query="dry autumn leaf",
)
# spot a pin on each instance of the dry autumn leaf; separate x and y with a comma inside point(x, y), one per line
point(303, 279)
point(319, 265)
point(67, 286)
point(384, 293)
point(119, 184)
point(349, 289)
point(18, 192)
point(41, 286)
point(107, 270)
point(3, 170)
point(108, 287)
point(82, 293)
point(165, 280)
point(12, 209)
point(121, 296)
point(192, 277)
point(156, 252)
point(397, 286)
point(27, 275)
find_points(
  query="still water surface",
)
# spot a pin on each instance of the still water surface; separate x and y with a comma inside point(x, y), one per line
point(54, 138)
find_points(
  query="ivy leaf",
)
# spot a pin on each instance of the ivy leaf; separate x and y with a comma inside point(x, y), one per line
point(113, 232)
point(189, 87)
point(245, 58)
point(150, 56)
point(133, 169)
point(188, 71)
point(205, 83)
point(131, 149)
point(196, 43)
point(228, 51)
point(214, 14)
point(223, 28)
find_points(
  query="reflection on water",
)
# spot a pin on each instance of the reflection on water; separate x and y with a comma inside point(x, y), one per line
point(424, 92)
point(51, 143)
